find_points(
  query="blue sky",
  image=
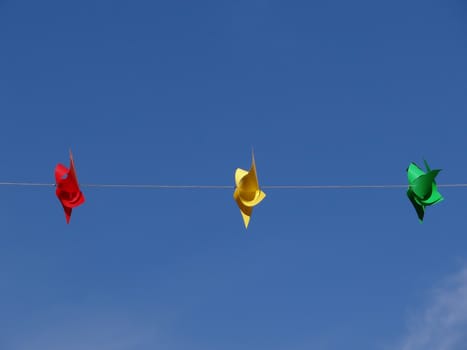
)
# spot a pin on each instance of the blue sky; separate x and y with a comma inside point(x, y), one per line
point(333, 92)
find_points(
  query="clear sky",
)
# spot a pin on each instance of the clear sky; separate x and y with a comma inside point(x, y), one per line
point(178, 92)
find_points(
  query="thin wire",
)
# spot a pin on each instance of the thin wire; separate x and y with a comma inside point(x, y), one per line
point(351, 187)
point(319, 187)
point(182, 187)
point(274, 187)
point(36, 184)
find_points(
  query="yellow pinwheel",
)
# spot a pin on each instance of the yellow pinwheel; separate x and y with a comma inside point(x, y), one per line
point(247, 193)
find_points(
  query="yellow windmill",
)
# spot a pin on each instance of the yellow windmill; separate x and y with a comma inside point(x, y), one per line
point(247, 193)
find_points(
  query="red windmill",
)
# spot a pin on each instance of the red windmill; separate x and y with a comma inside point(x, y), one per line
point(68, 191)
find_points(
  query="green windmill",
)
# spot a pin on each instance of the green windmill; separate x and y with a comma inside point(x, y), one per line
point(422, 190)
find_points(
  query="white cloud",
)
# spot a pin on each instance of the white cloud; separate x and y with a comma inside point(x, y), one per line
point(443, 323)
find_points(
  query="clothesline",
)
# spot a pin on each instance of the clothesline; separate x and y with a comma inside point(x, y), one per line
point(230, 187)
point(422, 189)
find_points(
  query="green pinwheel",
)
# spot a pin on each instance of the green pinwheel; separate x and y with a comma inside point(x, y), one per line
point(422, 190)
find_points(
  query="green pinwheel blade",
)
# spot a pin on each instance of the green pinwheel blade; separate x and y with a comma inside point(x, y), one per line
point(423, 185)
point(435, 196)
point(414, 172)
point(420, 209)
point(426, 165)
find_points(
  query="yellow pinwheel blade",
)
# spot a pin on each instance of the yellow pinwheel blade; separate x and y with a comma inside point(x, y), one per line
point(239, 174)
point(247, 193)
point(246, 218)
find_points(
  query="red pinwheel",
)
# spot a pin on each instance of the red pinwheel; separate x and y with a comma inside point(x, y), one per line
point(68, 191)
